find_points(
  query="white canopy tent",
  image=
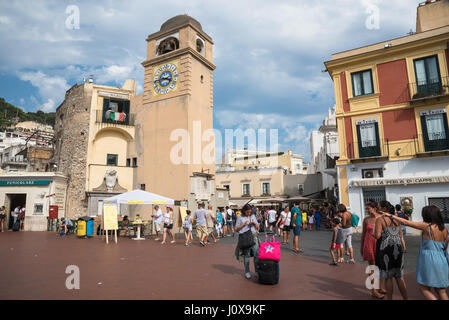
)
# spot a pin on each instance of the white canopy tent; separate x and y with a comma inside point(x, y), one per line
point(139, 197)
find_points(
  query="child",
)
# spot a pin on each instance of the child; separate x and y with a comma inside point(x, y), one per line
point(311, 221)
point(219, 224)
point(304, 220)
point(336, 242)
point(188, 228)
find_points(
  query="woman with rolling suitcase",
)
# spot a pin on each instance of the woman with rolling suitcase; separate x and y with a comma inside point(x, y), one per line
point(248, 242)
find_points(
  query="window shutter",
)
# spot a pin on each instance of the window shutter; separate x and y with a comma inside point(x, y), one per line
point(126, 110)
point(377, 137)
point(105, 107)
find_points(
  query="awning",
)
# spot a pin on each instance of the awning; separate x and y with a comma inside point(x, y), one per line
point(238, 203)
point(138, 197)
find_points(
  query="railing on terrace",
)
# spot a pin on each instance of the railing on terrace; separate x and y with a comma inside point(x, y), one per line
point(369, 149)
point(129, 119)
point(432, 143)
point(428, 89)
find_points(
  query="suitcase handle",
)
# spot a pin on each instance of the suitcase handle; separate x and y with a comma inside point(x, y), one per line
point(266, 237)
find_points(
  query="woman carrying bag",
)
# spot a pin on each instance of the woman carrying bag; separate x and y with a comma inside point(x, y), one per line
point(248, 242)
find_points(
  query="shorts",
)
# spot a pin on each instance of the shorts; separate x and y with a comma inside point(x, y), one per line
point(297, 230)
point(201, 230)
point(336, 246)
point(188, 229)
point(273, 224)
point(229, 223)
point(286, 228)
point(157, 226)
point(168, 226)
point(210, 230)
point(346, 236)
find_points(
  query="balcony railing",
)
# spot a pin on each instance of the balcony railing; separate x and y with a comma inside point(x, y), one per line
point(369, 149)
point(128, 121)
point(432, 143)
point(428, 89)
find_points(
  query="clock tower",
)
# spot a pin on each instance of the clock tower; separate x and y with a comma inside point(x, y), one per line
point(176, 114)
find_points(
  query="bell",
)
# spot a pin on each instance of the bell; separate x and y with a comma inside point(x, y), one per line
point(167, 47)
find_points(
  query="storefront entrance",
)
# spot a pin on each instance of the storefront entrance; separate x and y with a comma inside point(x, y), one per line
point(377, 195)
point(13, 201)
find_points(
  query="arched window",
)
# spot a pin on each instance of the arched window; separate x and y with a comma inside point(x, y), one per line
point(167, 45)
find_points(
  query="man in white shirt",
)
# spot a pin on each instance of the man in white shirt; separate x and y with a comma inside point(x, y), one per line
point(229, 222)
point(158, 219)
point(272, 218)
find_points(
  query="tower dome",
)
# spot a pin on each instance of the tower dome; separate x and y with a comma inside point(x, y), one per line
point(179, 21)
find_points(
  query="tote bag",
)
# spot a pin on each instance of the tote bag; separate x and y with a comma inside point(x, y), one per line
point(270, 250)
point(246, 240)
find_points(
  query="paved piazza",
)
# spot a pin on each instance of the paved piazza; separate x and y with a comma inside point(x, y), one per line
point(34, 265)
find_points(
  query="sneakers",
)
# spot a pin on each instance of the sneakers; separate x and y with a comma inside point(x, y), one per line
point(248, 275)
point(333, 263)
point(202, 243)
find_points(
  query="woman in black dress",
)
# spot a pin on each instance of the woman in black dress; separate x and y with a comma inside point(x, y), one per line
point(390, 250)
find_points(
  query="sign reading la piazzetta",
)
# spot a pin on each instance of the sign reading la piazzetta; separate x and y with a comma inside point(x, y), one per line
point(165, 78)
point(399, 181)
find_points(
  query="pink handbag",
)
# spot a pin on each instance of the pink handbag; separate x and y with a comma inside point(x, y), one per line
point(270, 250)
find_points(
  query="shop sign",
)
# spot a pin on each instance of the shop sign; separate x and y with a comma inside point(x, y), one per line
point(24, 182)
point(399, 181)
point(112, 95)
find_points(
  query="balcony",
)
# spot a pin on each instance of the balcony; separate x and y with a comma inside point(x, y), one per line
point(129, 119)
point(432, 145)
point(429, 89)
point(369, 151)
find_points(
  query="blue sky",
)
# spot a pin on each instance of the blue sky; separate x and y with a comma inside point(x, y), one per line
point(269, 54)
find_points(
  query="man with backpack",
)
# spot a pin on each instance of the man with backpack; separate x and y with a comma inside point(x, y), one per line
point(401, 214)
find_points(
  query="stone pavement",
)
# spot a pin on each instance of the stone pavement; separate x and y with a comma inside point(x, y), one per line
point(34, 264)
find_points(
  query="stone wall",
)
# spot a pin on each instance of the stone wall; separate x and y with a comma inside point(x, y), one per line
point(71, 141)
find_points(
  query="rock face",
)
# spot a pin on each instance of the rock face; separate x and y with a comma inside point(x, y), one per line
point(71, 142)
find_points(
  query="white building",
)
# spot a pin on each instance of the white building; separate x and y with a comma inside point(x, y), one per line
point(324, 151)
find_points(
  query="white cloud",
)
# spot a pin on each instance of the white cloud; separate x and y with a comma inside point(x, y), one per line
point(269, 54)
point(51, 89)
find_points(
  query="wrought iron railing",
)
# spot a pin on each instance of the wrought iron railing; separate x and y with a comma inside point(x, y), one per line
point(369, 149)
point(430, 88)
point(432, 142)
point(129, 119)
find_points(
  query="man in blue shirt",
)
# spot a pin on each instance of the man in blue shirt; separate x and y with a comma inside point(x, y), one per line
point(296, 219)
point(401, 214)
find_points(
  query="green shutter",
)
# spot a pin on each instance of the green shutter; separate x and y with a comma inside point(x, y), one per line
point(105, 108)
point(126, 111)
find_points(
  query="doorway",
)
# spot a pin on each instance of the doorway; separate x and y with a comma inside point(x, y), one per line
point(13, 201)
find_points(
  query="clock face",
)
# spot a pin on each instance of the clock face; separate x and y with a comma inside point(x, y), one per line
point(165, 78)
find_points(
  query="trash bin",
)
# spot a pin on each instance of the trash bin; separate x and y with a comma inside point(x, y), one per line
point(90, 228)
point(81, 232)
point(85, 227)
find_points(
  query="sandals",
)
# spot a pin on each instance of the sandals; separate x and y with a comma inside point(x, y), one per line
point(380, 297)
point(352, 261)
point(173, 241)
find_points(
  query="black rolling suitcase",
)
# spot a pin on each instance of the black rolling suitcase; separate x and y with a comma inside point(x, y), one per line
point(16, 225)
point(268, 271)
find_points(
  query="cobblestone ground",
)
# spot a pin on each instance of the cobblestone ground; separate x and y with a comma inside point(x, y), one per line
point(34, 265)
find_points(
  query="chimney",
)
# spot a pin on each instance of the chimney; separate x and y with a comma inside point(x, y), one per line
point(432, 14)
